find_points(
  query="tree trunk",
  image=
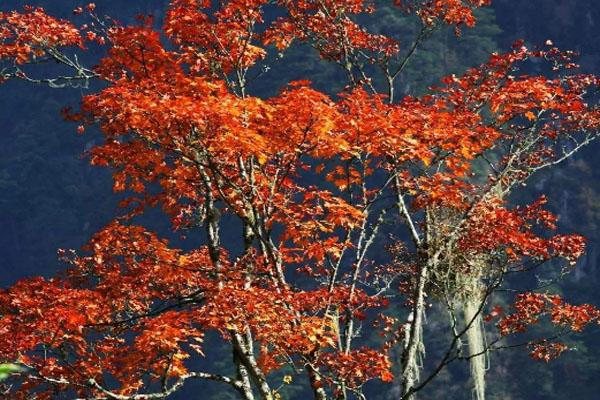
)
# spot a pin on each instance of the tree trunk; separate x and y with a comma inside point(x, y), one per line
point(413, 343)
point(246, 354)
point(476, 342)
point(242, 376)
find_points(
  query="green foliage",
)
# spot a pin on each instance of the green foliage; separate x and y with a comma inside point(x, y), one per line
point(6, 370)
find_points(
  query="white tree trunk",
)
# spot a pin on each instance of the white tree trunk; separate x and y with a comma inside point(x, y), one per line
point(477, 345)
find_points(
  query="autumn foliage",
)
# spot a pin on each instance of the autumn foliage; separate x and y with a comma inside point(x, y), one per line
point(295, 198)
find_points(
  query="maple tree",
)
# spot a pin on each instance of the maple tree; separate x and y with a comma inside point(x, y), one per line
point(316, 187)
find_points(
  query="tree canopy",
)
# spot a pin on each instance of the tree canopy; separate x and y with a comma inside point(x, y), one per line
point(347, 216)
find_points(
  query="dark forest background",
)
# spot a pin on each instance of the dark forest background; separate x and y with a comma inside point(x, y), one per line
point(50, 197)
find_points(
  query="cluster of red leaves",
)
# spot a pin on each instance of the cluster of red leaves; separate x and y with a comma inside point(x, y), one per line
point(530, 308)
point(32, 33)
point(216, 42)
point(517, 103)
point(310, 224)
point(547, 352)
point(451, 12)
point(328, 26)
point(358, 366)
point(114, 312)
point(494, 227)
point(101, 313)
point(520, 100)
